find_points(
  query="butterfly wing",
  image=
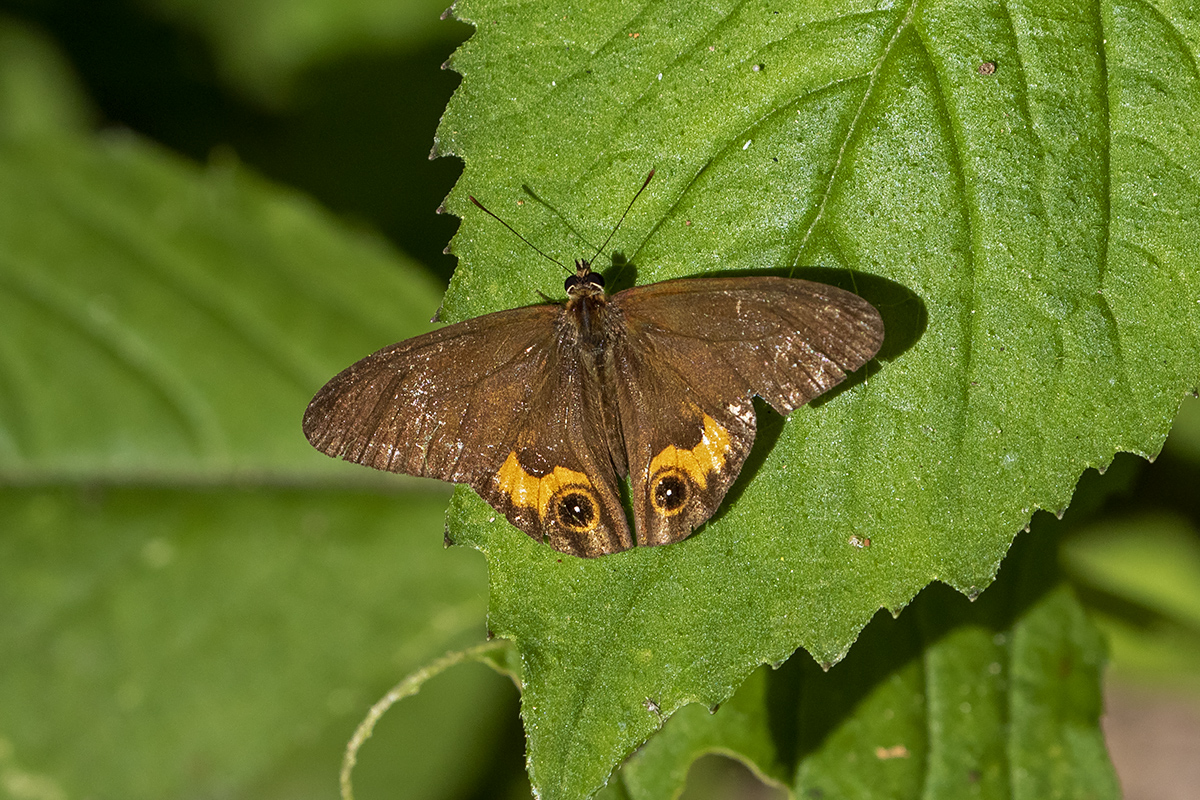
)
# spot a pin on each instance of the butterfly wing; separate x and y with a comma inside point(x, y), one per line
point(691, 354)
point(497, 402)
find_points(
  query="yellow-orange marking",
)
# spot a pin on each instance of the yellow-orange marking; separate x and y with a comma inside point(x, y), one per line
point(697, 463)
point(532, 492)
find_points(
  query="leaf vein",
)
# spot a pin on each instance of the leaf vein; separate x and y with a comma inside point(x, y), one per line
point(868, 94)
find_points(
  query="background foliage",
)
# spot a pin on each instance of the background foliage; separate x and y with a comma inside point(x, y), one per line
point(195, 604)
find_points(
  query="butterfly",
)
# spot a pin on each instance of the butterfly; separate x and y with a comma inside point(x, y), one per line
point(542, 410)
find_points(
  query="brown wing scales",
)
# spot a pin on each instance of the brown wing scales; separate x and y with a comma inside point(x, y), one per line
point(557, 482)
point(783, 339)
point(505, 403)
point(491, 402)
point(690, 355)
point(430, 405)
point(684, 449)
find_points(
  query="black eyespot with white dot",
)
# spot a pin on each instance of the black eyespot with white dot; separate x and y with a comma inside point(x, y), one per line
point(575, 510)
point(670, 493)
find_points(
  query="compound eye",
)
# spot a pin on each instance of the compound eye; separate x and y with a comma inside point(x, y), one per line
point(670, 492)
point(575, 508)
point(570, 283)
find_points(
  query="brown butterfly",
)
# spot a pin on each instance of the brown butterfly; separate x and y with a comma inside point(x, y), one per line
point(543, 409)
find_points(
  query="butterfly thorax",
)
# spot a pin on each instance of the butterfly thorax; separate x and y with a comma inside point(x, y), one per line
point(590, 326)
point(587, 309)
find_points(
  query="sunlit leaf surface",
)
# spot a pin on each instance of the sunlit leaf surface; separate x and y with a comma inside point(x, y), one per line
point(1013, 186)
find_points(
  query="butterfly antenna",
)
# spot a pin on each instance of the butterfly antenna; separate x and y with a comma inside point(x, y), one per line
point(537, 249)
point(600, 249)
point(571, 226)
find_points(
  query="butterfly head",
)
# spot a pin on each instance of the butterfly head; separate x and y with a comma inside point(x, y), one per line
point(584, 283)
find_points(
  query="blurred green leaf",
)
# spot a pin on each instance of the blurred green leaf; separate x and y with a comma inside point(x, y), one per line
point(164, 321)
point(1151, 561)
point(1160, 655)
point(39, 92)
point(1141, 575)
point(261, 46)
point(1043, 216)
point(163, 641)
point(497, 654)
point(997, 698)
point(195, 602)
point(1184, 441)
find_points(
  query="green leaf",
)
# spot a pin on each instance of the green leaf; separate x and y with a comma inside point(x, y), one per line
point(195, 602)
point(1154, 562)
point(1137, 568)
point(1142, 577)
point(159, 641)
point(497, 654)
point(1184, 441)
point(1029, 235)
point(996, 699)
point(196, 312)
point(39, 93)
point(262, 46)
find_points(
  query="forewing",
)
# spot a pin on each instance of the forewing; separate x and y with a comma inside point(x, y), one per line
point(496, 402)
point(690, 353)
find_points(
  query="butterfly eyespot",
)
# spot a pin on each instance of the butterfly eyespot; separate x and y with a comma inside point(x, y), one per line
point(670, 492)
point(575, 508)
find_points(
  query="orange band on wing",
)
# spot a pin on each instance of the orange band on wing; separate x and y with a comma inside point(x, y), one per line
point(704, 458)
point(529, 491)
